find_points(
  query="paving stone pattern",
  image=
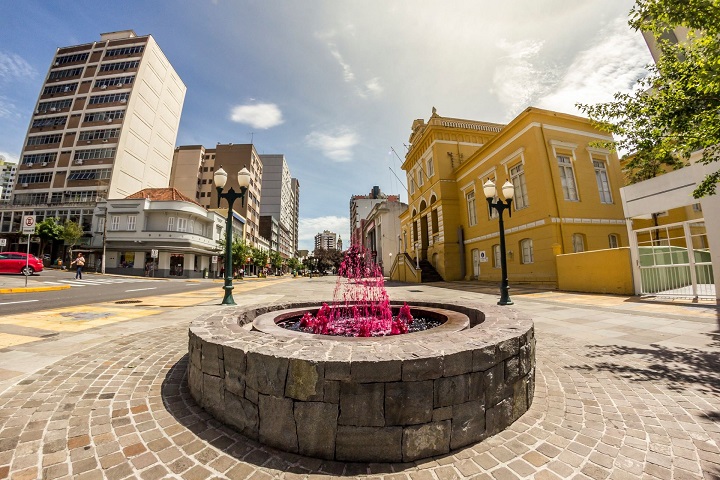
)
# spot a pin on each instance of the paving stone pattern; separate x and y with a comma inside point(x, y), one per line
point(123, 410)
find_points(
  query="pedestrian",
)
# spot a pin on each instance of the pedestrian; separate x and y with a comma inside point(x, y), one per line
point(80, 263)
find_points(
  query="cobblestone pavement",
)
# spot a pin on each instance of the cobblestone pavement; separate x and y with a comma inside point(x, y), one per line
point(620, 393)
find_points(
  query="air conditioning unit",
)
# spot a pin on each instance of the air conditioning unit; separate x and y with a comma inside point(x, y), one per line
point(57, 64)
point(120, 85)
point(43, 164)
point(78, 162)
point(103, 87)
point(24, 185)
point(124, 100)
point(109, 120)
point(37, 112)
point(89, 141)
point(105, 140)
point(53, 109)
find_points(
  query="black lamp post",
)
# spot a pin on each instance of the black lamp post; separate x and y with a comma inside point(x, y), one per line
point(490, 192)
point(220, 179)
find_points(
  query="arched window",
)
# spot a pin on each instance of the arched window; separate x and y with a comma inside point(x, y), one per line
point(526, 247)
point(496, 256)
point(613, 240)
point(578, 242)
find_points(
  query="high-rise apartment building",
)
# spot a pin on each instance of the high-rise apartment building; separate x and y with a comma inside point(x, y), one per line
point(192, 174)
point(104, 126)
point(295, 186)
point(7, 179)
point(326, 240)
point(278, 201)
point(360, 207)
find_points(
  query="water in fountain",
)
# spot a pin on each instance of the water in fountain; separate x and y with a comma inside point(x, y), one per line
point(361, 305)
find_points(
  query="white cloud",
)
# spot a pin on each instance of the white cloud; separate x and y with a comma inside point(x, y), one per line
point(348, 75)
point(259, 115)
point(613, 64)
point(337, 145)
point(9, 157)
point(309, 227)
point(373, 88)
point(14, 66)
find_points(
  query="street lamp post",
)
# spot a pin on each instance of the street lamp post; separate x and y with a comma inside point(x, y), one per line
point(220, 179)
point(490, 192)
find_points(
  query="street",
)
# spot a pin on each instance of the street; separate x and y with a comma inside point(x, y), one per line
point(93, 288)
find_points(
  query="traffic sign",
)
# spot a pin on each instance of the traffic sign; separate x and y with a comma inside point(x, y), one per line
point(154, 253)
point(483, 256)
point(3, 242)
point(28, 224)
point(214, 259)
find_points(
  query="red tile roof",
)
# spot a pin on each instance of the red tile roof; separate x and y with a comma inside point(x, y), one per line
point(162, 194)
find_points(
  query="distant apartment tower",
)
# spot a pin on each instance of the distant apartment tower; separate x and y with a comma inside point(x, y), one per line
point(360, 207)
point(278, 201)
point(7, 179)
point(192, 172)
point(326, 240)
point(295, 186)
point(104, 125)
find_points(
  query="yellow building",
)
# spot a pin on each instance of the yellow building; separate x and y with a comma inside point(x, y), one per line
point(566, 195)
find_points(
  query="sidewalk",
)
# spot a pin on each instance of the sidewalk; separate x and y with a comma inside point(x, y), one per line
point(624, 390)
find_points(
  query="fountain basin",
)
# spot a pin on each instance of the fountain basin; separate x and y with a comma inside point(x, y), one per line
point(382, 399)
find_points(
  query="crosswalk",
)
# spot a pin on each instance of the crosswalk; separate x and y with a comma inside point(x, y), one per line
point(90, 281)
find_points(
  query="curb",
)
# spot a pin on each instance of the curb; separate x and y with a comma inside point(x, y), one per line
point(33, 289)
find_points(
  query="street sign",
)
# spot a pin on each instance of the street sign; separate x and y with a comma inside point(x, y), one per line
point(3, 242)
point(214, 258)
point(483, 256)
point(28, 224)
point(154, 253)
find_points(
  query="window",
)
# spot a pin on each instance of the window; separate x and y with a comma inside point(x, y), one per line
point(434, 219)
point(114, 52)
point(181, 224)
point(526, 247)
point(71, 72)
point(111, 67)
point(94, 153)
point(171, 224)
point(411, 183)
point(496, 256)
point(115, 222)
point(99, 134)
point(39, 158)
point(420, 177)
point(602, 181)
point(131, 219)
point(101, 224)
point(115, 81)
point(191, 226)
point(91, 174)
point(34, 178)
point(110, 98)
point(613, 240)
point(697, 207)
point(49, 122)
point(30, 198)
point(472, 215)
point(78, 57)
point(53, 106)
point(44, 139)
point(517, 178)
point(104, 116)
point(64, 88)
point(567, 178)
point(578, 242)
point(83, 196)
point(430, 167)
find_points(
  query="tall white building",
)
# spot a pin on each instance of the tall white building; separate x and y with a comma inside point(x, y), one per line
point(104, 126)
point(326, 240)
point(7, 179)
point(278, 200)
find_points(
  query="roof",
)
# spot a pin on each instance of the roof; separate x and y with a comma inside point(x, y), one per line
point(162, 194)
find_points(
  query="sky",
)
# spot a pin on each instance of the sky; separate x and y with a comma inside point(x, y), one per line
point(335, 85)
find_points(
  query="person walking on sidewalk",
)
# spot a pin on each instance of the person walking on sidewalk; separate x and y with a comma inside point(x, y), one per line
point(80, 263)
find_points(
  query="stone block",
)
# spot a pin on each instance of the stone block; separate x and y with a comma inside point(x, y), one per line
point(368, 444)
point(498, 417)
point(234, 362)
point(408, 403)
point(266, 373)
point(277, 423)
point(520, 403)
point(421, 441)
point(508, 348)
point(531, 387)
point(512, 369)
point(195, 381)
point(494, 381)
point(451, 390)
point(362, 404)
point(468, 424)
point(484, 358)
point(195, 351)
point(442, 413)
point(251, 394)
point(525, 363)
point(476, 386)
point(332, 392)
point(241, 414)
point(316, 428)
point(422, 369)
point(212, 363)
point(337, 371)
point(458, 363)
point(305, 380)
point(213, 394)
point(367, 371)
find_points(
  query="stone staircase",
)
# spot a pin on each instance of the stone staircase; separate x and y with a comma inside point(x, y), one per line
point(429, 274)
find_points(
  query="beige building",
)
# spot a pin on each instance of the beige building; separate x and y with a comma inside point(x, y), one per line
point(192, 172)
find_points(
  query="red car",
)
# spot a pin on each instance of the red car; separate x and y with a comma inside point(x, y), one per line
point(17, 262)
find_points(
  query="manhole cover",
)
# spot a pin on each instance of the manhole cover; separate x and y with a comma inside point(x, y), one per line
point(123, 302)
point(416, 291)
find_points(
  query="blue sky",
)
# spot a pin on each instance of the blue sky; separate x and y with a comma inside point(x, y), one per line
point(335, 84)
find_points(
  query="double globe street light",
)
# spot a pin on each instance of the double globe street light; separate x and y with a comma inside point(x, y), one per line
point(220, 179)
point(508, 191)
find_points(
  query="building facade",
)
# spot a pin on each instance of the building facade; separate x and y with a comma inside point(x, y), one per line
point(278, 201)
point(381, 232)
point(566, 195)
point(360, 206)
point(104, 126)
point(7, 179)
point(326, 240)
point(192, 175)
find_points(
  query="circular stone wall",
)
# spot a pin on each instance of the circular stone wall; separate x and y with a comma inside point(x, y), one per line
point(384, 399)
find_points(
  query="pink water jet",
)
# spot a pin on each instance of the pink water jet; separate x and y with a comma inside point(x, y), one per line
point(361, 305)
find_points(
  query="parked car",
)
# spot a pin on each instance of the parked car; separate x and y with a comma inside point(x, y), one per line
point(17, 262)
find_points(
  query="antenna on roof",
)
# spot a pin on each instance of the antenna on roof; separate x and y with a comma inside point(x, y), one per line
point(252, 136)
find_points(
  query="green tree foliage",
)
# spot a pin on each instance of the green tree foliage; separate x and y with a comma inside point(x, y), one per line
point(675, 110)
point(276, 260)
point(260, 257)
point(48, 230)
point(71, 233)
point(240, 252)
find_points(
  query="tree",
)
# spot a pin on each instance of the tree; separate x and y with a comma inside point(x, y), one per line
point(276, 260)
point(260, 258)
point(48, 230)
point(71, 233)
point(240, 252)
point(675, 110)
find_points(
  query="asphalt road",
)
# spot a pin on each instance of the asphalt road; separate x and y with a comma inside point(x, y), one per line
point(94, 288)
